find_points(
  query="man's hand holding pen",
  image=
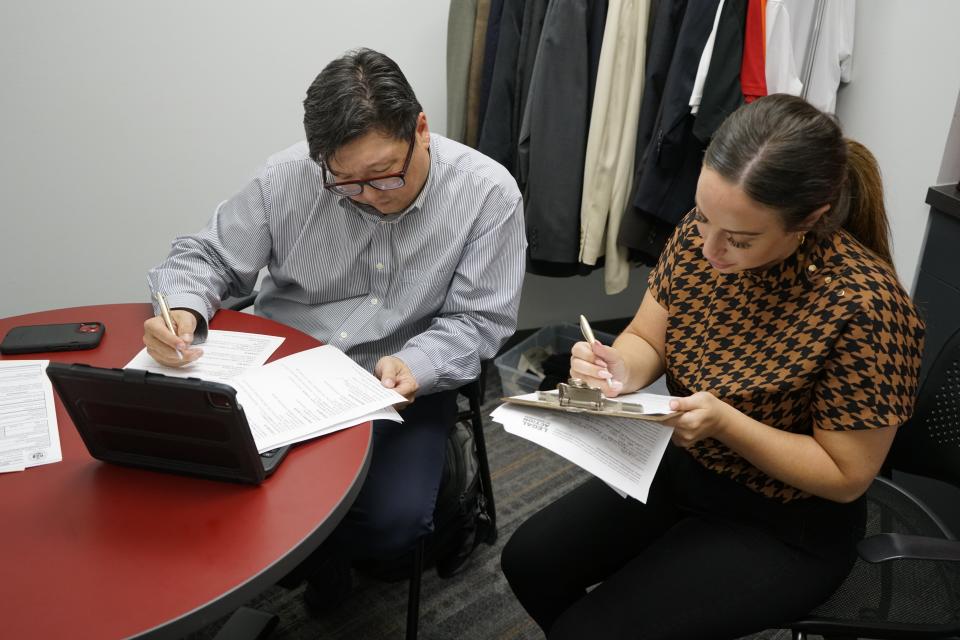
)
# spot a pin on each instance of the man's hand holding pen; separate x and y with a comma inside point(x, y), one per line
point(171, 346)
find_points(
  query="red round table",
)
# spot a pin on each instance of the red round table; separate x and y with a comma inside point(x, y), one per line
point(93, 550)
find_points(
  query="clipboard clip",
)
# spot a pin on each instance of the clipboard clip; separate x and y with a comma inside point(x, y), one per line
point(575, 394)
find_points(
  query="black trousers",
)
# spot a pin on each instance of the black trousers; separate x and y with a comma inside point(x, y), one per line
point(395, 505)
point(705, 557)
point(394, 508)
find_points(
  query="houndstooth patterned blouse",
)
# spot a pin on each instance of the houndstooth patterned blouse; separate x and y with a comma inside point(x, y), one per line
point(828, 339)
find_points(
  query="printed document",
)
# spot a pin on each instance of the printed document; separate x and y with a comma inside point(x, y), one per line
point(226, 355)
point(301, 396)
point(311, 393)
point(623, 452)
point(28, 416)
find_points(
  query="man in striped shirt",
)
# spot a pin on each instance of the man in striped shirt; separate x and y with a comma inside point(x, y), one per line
point(402, 248)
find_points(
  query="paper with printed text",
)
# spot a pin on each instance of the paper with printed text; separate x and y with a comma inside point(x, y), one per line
point(623, 452)
point(28, 417)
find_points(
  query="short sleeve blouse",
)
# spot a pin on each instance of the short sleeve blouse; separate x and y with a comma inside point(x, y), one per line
point(826, 339)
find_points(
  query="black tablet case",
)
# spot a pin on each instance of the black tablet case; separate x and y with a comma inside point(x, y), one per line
point(149, 420)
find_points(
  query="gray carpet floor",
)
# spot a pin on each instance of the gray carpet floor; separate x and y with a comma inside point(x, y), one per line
point(476, 604)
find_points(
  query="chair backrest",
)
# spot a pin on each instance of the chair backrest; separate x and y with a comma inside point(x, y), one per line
point(929, 444)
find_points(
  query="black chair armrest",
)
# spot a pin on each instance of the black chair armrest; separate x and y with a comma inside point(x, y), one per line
point(239, 303)
point(891, 546)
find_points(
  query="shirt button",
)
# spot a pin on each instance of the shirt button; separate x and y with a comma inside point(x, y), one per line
point(841, 293)
point(374, 301)
point(343, 334)
point(828, 279)
point(379, 266)
point(812, 268)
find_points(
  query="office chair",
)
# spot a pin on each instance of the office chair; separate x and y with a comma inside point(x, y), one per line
point(239, 303)
point(906, 582)
point(474, 394)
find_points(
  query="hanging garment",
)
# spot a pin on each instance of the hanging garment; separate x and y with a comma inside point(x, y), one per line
point(475, 75)
point(753, 78)
point(554, 131)
point(597, 26)
point(666, 178)
point(829, 61)
point(721, 90)
point(534, 13)
point(608, 168)
point(700, 79)
point(781, 71)
point(491, 38)
point(665, 19)
point(499, 133)
point(460, 27)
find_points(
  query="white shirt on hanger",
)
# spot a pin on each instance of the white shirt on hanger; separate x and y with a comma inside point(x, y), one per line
point(833, 56)
point(780, 66)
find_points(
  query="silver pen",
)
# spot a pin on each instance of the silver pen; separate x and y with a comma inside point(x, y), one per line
point(167, 320)
point(586, 330)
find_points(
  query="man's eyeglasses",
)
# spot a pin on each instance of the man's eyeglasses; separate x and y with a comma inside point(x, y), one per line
point(380, 183)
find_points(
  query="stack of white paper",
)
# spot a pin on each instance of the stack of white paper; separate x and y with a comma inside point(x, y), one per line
point(301, 396)
point(309, 394)
point(623, 452)
point(28, 417)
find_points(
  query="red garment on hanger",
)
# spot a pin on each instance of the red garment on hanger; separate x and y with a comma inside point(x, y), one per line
point(753, 79)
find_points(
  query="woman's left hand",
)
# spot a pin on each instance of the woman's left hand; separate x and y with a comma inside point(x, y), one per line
point(702, 415)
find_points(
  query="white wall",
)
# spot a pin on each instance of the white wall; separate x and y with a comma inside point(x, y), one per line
point(900, 103)
point(124, 124)
point(950, 167)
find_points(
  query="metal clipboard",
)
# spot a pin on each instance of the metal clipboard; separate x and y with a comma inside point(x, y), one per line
point(574, 396)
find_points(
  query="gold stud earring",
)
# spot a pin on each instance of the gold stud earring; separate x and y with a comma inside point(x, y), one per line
point(801, 237)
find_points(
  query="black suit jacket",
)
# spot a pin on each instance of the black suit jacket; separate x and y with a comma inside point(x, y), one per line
point(669, 163)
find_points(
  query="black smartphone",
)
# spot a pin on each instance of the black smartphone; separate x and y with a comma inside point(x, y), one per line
point(39, 338)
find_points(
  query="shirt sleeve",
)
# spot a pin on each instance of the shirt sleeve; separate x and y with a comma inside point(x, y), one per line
point(871, 378)
point(223, 259)
point(479, 312)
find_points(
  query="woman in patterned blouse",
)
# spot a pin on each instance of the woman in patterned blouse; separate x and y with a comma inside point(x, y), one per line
point(777, 317)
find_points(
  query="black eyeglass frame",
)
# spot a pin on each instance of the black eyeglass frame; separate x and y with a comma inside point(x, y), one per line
point(344, 188)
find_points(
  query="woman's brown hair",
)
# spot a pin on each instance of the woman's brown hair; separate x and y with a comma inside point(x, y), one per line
point(788, 155)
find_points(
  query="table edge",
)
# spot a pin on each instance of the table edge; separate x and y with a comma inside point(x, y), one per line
point(230, 601)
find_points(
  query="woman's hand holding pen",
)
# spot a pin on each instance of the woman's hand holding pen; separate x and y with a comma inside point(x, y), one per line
point(163, 345)
point(598, 365)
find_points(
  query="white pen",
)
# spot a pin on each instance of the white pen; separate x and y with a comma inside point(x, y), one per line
point(586, 330)
point(167, 320)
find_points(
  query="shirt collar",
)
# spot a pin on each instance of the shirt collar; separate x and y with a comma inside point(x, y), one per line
point(798, 268)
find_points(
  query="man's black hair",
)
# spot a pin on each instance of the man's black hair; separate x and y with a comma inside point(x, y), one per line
point(359, 92)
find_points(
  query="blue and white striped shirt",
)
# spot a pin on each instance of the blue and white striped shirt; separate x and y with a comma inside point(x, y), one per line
point(437, 285)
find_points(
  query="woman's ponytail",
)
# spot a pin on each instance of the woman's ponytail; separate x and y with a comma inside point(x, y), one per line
point(862, 196)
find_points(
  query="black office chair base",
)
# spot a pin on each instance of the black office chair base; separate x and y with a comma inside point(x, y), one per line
point(248, 624)
point(413, 594)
